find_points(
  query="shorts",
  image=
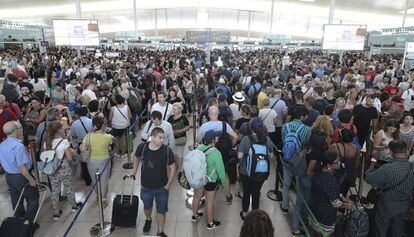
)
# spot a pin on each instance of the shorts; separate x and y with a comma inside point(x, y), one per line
point(161, 199)
point(118, 132)
point(179, 151)
point(211, 186)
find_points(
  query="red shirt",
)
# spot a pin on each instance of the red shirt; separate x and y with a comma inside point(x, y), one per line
point(6, 116)
point(335, 136)
point(371, 75)
point(392, 90)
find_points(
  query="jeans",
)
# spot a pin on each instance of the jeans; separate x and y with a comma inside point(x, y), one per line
point(250, 188)
point(16, 183)
point(302, 194)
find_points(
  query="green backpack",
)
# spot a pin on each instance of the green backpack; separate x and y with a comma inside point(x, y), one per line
point(134, 104)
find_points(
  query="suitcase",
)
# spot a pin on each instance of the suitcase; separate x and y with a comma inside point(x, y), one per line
point(125, 207)
point(19, 226)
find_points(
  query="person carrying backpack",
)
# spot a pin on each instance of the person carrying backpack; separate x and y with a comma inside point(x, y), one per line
point(214, 171)
point(295, 135)
point(254, 153)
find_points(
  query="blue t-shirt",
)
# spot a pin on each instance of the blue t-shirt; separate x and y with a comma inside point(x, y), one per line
point(215, 126)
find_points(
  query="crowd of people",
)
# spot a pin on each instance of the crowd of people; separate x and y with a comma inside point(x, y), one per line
point(317, 117)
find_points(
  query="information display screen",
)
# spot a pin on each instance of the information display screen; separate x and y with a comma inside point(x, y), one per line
point(344, 37)
point(78, 32)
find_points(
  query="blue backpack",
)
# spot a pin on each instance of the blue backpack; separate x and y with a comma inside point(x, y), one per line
point(258, 162)
point(291, 143)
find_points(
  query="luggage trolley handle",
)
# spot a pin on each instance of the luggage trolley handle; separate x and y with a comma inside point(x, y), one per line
point(123, 187)
point(40, 204)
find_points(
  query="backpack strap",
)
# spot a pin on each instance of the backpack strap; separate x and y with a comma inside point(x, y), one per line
point(252, 142)
point(223, 127)
point(274, 104)
point(83, 125)
point(165, 112)
point(143, 151)
point(121, 112)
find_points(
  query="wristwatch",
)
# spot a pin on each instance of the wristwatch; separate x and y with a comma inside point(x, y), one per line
point(373, 160)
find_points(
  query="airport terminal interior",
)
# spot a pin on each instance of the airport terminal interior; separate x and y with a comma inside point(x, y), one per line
point(199, 118)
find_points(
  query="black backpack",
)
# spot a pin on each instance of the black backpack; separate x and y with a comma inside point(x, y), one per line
point(223, 113)
point(225, 146)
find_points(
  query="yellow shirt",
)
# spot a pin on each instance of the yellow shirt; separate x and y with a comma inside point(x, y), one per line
point(260, 97)
point(99, 144)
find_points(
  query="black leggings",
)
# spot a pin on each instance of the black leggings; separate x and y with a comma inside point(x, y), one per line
point(250, 188)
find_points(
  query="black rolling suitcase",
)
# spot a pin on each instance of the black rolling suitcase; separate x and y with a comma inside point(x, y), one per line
point(19, 226)
point(125, 207)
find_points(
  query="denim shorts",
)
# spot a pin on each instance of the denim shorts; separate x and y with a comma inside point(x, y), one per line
point(161, 199)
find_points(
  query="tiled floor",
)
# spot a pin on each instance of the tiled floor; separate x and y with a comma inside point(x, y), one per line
point(177, 221)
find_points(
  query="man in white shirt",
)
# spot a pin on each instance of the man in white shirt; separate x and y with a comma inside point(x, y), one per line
point(281, 109)
point(84, 71)
point(156, 121)
point(162, 106)
point(408, 97)
point(88, 94)
point(268, 116)
point(70, 89)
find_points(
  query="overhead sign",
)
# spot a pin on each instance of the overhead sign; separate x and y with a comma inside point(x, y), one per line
point(207, 36)
point(78, 32)
point(344, 37)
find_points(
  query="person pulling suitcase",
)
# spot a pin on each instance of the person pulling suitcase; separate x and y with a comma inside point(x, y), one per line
point(155, 157)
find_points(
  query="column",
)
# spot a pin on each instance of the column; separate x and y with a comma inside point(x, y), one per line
point(156, 23)
point(78, 15)
point(78, 9)
point(405, 13)
point(331, 11)
point(135, 18)
point(248, 27)
point(271, 17)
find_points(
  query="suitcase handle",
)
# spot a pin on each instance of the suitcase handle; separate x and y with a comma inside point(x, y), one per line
point(123, 187)
point(40, 204)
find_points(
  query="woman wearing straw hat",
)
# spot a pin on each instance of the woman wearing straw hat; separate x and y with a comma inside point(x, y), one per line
point(235, 107)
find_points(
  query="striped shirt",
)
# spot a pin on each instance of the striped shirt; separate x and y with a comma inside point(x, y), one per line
point(389, 175)
point(303, 135)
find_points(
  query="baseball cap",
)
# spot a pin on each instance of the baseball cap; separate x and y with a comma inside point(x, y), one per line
point(209, 136)
point(222, 97)
point(256, 123)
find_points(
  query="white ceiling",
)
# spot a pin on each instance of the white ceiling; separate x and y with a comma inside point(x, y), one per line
point(292, 17)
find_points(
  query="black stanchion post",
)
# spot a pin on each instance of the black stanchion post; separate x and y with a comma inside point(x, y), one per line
point(129, 164)
point(102, 228)
point(275, 194)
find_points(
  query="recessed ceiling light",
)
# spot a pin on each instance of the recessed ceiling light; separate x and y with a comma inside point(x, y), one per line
point(307, 0)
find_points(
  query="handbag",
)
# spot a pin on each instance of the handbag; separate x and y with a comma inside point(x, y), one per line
point(374, 194)
point(85, 155)
point(182, 180)
point(49, 163)
point(181, 141)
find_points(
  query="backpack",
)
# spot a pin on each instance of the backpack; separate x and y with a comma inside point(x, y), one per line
point(49, 162)
point(255, 95)
point(195, 167)
point(225, 146)
point(223, 113)
point(357, 224)
point(134, 103)
point(257, 161)
point(291, 143)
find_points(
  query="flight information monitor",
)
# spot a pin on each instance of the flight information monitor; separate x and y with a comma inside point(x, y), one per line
point(77, 32)
point(344, 37)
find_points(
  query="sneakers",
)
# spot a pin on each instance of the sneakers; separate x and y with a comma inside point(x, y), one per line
point(77, 207)
point(212, 226)
point(196, 217)
point(284, 211)
point(57, 217)
point(147, 226)
point(162, 234)
point(229, 199)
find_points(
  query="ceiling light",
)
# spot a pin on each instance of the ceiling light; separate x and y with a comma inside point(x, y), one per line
point(307, 0)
